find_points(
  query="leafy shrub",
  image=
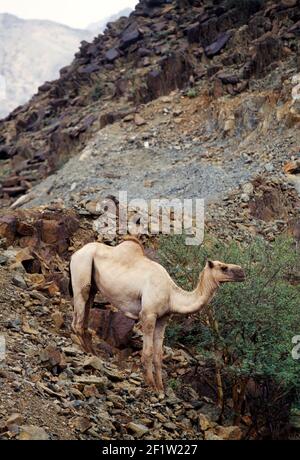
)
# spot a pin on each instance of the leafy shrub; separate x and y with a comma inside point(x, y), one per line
point(191, 93)
point(249, 327)
point(174, 384)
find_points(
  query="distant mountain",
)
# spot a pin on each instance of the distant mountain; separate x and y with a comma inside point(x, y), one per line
point(99, 26)
point(31, 52)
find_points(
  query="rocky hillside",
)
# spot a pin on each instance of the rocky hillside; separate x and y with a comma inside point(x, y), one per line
point(182, 99)
point(55, 391)
point(30, 53)
point(217, 50)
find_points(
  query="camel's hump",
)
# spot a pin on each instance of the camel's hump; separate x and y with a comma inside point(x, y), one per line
point(133, 239)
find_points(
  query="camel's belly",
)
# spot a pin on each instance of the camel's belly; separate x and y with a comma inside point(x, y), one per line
point(127, 304)
point(131, 311)
point(125, 286)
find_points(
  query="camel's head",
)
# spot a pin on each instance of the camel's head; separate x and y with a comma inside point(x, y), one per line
point(225, 273)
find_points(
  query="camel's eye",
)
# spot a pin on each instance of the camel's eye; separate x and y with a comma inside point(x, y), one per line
point(224, 269)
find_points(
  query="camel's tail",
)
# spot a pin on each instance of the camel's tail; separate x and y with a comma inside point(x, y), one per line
point(71, 293)
point(81, 270)
point(84, 290)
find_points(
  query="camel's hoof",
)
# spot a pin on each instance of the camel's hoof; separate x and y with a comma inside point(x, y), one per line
point(150, 387)
point(161, 395)
point(86, 344)
point(91, 350)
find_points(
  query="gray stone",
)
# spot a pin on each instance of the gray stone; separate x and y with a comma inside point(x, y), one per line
point(269, 167)
point(245, 198)
point(139, 429)
point(19, 281)
point(100, 382)
point(248, 188)
point(3, 259)
point(129, 38)
point(112, 54)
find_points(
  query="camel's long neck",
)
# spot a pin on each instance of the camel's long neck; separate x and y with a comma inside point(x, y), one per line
point(185, 303)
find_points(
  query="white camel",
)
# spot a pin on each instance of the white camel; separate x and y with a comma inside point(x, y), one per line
point(143, 290)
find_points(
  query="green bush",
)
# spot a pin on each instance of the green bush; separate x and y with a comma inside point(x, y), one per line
point(174, 384)
point(249, 328)
point(192, 93)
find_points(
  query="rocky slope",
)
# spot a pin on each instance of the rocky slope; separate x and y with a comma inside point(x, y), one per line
point(30, 53)
point(85, 397)
point(215, 50)
point(181, 99)
point(82, 397)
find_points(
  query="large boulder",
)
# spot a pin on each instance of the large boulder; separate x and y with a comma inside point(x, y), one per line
point(175, 70)
point(115, 328)
point(269, 202)
point(112, 54)
point(129, 37)
point(215, 47)
point(57, 232)
point(267, 50)
point(8, 228)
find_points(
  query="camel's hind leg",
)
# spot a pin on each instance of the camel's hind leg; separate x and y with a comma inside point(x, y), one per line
point(84, 290)
point(82, 306)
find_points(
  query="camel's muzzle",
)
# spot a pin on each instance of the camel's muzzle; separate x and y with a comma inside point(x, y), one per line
point(240, 275)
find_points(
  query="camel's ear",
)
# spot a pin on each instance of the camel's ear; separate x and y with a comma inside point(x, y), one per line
point(210, 264)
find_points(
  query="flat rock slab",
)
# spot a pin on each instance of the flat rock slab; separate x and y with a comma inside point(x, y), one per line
point(32, 433)
point(217, 45)
point(99, 382)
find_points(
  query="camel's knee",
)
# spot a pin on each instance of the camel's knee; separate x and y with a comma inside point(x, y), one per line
point(147, 357)
point(85, 292)
point(157, 360)
point(148, 322)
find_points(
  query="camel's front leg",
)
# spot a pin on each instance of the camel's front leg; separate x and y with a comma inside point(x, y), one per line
point(148, 326)
point(159, 335)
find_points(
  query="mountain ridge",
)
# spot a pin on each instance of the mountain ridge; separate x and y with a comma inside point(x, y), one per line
point(100, 25)
point(35, 49)
point(18, 19)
